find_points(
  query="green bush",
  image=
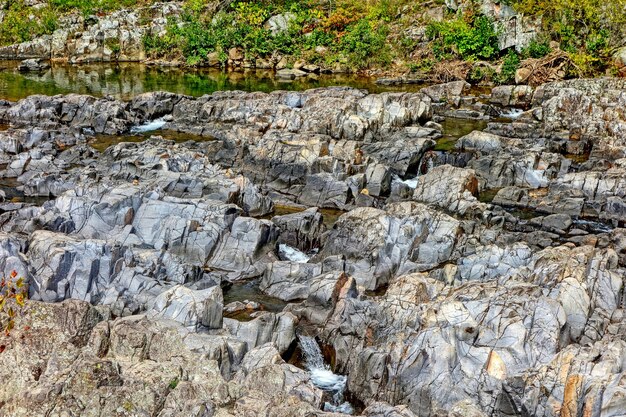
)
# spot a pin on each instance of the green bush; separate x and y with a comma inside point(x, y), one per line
point(318, 37)
point(582, 27)
point(158, 45)
point(87, 7)
point(470, 41)
point(361, 42)
point(509, 67)
point(536, 49)
point(364, 44)
point(597, 44)
point(480, 73)
point(21, 23)
point(383, 10)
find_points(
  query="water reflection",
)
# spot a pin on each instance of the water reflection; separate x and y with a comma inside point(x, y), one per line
point(126, 80)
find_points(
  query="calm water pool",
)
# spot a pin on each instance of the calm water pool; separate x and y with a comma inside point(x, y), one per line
point(125, 80)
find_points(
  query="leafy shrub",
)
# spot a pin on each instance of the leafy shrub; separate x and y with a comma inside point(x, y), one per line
point(339, 20)
point(87, 7)
point(509, 67)
point(258, 42)
point(252, 14)
point(481, 73)
point(363, 43)
point(597, 44)
point(318, 37)
point(383, 10)
point(194, 7)
point(347, 36)
point(21, 23)
point(13, 294)
point(580, 24)
point(159, 45)
point(584, 64)
point(413, 67)
point(470, 41)
point(536, 49)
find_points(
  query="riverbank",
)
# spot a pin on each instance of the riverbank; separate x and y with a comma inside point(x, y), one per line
point(485, 42)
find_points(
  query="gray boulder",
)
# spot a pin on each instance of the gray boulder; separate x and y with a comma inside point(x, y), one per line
point(378, 245)
point(192, 308)
point(448, 187)
point(34, 65)
point(300, 230)
point(266, 327)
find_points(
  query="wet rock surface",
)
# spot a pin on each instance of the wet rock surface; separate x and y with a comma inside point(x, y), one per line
point(178, 271)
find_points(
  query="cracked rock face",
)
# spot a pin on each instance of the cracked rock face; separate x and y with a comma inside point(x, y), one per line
point(466, 273)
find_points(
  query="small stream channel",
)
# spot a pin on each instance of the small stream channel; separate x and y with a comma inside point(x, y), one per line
point(322, 376)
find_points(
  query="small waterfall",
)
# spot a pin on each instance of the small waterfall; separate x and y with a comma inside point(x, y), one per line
point(512, 113)
point(411, 182)
point(322, 377)
point(155, 124)
point(292, 254)
point(425, 164)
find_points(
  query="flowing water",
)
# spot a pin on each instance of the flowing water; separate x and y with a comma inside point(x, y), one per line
point(150, 126)
point(323, 378)
point(512, 113)
point(292, 254)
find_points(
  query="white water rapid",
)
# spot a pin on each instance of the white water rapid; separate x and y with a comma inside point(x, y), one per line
point(323, 378)
point(155, 124)
point(292, 254)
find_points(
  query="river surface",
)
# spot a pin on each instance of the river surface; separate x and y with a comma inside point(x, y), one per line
point(126, 80)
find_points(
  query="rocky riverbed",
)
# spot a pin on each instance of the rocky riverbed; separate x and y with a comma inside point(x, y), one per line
point(433, 253)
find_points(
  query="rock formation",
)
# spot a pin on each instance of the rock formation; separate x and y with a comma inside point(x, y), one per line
point(173, 277)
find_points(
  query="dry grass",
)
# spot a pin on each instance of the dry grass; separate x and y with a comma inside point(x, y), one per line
point(552, 67)
point(446, 71)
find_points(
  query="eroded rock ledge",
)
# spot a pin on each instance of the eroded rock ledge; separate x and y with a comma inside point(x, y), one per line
point(434, 293)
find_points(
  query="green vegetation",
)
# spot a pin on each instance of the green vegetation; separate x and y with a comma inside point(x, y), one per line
point(476, 39)
point(173, 383)
point(114, 45)
point(22, 23)
point(536, 49)
point(397, 35)
point(90, 6)
point(588, 30)
point(355, 36)
point(510, 64)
